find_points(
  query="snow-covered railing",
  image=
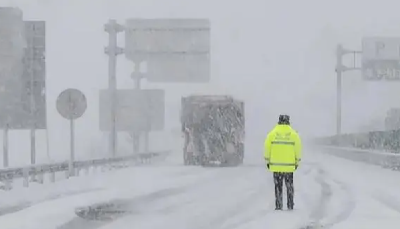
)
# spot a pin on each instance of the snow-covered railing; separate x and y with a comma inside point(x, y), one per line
point(375, 140)
point(7, 175)
point(385, 159)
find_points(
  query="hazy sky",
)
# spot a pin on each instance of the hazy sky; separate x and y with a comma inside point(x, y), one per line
point(276, 55)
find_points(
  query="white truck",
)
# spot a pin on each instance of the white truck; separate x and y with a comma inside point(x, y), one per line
point(213, 127)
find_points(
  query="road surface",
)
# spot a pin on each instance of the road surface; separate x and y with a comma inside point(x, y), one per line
point(330, 193)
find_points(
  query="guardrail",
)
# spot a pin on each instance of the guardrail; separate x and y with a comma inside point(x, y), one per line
point(7, 175)
point(376, 140)
point(385, 159)
point(376, 147)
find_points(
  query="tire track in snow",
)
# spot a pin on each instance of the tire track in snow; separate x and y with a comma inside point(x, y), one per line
point(4, 210)
point(349, 204)
point(389, 201)
point(248, 204)
point(134, 206)
point(248, 197)
point(245, 204)
point(270, 205)
point(120, 207)
point(210, 199)
point(319, 213)
point(21, 206)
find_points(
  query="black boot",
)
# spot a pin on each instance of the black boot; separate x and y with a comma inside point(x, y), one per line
point(278, 203)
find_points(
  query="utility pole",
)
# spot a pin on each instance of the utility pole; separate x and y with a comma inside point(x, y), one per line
point(112, 50)
point(340, 68)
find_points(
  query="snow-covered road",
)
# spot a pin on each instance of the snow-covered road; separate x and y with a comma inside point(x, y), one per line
point(330, 191)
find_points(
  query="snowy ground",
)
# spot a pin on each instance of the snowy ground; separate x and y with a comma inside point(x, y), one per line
point(330, 191)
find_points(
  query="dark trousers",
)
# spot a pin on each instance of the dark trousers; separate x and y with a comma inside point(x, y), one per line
point(278, 180)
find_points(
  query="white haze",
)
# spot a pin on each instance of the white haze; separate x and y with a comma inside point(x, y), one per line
point(278, 56)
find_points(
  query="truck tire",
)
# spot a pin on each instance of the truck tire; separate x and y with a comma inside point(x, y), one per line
point(203, 160)
point(236, 159)
point(228, 161)
point(188, 159)
point(185, 159)
point(241, 153)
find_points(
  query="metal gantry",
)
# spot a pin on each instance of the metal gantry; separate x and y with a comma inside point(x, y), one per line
point(340, 68)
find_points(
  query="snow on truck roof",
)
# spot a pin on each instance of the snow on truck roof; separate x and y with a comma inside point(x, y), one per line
point(211, 100)
point(216, 98)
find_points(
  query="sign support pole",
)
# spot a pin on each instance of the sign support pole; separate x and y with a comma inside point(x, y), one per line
point(48, 145)
point(5, 147)
point(32, 103)
point(72, 147)
point(135, 141)
point(340, 68)
point(72, 138)
point(71, 104)
point(112, 50)
point(137, 77)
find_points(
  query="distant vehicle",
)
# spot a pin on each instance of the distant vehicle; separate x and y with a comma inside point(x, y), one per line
point(392, 120)
point(214, 129)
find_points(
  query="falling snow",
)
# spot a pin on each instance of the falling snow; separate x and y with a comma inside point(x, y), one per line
point(220, 89)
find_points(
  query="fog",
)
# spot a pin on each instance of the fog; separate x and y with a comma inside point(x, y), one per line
point(277, 56)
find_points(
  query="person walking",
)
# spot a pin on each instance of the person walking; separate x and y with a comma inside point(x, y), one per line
point(282, 154)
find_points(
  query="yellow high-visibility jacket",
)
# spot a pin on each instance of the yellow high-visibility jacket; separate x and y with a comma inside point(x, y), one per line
point(282, 149)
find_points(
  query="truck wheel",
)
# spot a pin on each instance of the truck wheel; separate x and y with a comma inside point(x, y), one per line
point(241, 153)
point(203, 160)
point(197, 160)
point(188, 159)
point(225, 164)
point(192, 159)
point(228, 161)
point(185, 159)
